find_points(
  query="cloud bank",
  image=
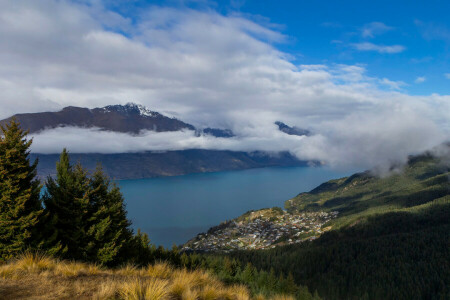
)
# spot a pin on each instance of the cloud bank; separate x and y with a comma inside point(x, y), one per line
point(207, 69)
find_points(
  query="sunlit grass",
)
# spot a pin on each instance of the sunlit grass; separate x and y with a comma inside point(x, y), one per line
point(42, 277)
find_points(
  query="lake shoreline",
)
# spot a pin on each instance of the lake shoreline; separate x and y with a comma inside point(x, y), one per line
point(171, 209)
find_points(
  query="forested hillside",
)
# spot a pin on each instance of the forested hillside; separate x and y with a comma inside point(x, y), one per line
point(423, 181)
point(391, 239)
point(169, 163)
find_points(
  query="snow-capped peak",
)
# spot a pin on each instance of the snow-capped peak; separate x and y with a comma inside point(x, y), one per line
point(143, 111)
point(131, 107)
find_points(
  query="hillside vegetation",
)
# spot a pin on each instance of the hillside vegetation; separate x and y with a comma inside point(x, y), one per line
point(391, 239)
point(422, 182)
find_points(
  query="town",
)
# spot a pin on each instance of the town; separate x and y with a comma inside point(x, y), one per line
point(262, 229)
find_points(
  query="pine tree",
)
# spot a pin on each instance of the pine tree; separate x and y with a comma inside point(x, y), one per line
point(66, 202)
point(141, 251)
point(290, 286)
point(108, 230)
point(248, 274)
point(20, 205)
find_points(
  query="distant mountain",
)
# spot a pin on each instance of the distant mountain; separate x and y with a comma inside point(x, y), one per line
point(169, 163)
point(133, 118)
point(225, 133)
point(292, 130)
point(130, 118)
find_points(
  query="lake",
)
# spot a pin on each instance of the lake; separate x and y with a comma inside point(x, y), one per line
point(174, 209)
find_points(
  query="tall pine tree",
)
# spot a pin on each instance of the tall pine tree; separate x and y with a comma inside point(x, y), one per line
point(20, 205)
point(66, 202)
point(108, 234)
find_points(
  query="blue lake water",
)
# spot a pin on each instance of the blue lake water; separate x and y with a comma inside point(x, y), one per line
point(174, 209)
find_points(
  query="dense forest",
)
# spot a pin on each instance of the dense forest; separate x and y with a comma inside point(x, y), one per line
point(392, 256)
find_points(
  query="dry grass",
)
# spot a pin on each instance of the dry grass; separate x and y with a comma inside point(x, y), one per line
point(34, 276)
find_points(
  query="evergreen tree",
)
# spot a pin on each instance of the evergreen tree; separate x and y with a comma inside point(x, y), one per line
point(108, 227)
point(290, 286)
point(248, 273)
point(20, 205)
point(141, 251)
point(66, 202)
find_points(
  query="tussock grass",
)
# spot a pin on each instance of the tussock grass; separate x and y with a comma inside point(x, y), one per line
point(160, 270)
point(36, 276)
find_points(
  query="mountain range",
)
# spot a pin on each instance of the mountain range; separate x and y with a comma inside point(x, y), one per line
point(132, 119)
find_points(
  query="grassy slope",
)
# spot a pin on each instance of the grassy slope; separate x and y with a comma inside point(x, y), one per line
point(40, 277)
point(424, 181)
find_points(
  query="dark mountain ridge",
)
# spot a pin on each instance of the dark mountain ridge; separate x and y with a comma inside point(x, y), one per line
point(292, 130)
point(169, 163)
point(129, 118)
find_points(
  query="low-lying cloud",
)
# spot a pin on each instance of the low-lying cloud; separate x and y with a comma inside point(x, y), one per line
point(358, 141)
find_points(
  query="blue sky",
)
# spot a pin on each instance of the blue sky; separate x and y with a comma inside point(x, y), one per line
point(328, 32)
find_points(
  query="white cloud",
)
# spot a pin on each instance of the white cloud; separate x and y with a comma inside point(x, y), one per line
point(366, 46)
point(375, 28)
point(447, 75)
point(206, 69)
point(420, 79)
point(394, 85)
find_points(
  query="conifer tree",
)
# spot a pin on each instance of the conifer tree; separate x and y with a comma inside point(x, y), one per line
point(108, 232)
point(20, 205)
point(66, 203)
point(141, 251)
point(248, 273)
point(290, 286)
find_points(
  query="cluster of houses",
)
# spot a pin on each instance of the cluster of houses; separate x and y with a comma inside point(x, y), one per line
point(262, 229)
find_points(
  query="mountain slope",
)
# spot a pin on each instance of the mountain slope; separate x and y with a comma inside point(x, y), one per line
point(390, 239)
point(169, 163)
point(424, 179)
point(130, 118)
point(291, 130)
point(395, 255)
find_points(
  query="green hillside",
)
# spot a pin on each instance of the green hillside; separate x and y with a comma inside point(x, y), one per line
point(391, 239)
point(422, 182)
